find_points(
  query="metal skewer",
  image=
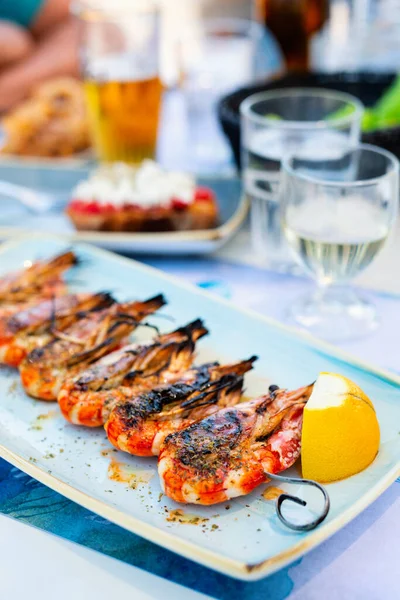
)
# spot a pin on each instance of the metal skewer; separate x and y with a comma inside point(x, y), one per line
point(288, 497)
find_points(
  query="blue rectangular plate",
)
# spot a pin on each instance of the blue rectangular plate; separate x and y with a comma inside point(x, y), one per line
point(247, 541)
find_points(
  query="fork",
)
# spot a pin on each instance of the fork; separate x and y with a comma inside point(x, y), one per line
point(35, 201)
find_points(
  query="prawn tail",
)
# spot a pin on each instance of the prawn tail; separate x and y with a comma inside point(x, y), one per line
point(62, 261)
point(99, 301)
point(239, 368)
point(95, 353)
point(148, 307)
point(213, 392)
point(194, 330)
point(95, 302)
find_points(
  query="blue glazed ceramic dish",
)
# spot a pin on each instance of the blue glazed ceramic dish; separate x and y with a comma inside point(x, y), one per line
point(247, 541)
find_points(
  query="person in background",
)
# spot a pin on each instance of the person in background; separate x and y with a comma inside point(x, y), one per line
point(38, 40)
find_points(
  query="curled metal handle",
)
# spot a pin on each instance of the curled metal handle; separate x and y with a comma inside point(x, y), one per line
point(288, 497)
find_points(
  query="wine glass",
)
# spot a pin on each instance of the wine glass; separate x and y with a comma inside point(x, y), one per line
point(337, 215)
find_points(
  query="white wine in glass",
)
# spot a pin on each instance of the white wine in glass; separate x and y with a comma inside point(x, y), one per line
point(328, 244)
point(336, 224)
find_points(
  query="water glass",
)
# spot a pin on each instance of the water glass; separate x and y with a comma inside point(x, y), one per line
point(337, 215)
point(120, 65)
point(311, 122)
point(219, 55)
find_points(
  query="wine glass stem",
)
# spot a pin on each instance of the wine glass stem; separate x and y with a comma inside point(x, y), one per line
point(323, 291)
point(336, 294)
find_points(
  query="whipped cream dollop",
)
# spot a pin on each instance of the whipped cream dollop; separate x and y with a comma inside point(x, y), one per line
point(148, 185)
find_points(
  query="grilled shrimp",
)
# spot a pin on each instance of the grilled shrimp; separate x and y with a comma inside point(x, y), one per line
point(140, 425)
point(93, 335)
point(229, 453)
point(32, 328)
point(42, 279)
point(87, 398)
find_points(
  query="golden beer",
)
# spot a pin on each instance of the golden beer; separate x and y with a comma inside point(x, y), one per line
point(124, 117)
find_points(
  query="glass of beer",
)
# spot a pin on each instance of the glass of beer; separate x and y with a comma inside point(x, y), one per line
point(119, 53)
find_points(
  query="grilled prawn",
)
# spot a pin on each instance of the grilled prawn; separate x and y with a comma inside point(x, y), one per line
point(229, 453)
point(43, 279)
point(87, 398)
point(32, 328)
point(93, 335)
point(140, 425)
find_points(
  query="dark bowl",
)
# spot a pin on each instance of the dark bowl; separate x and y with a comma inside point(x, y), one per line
point(368, 87)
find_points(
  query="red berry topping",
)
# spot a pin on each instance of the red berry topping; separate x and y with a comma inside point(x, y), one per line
point(204, 194)
point(94, 208)
point(91, 207)
point(109, 207)
point(178, 204)
point(77, 205)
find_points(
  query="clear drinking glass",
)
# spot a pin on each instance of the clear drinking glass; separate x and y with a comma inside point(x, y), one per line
point(119, 49)
point(337, 214)
point(311, 122)
point(217, 56)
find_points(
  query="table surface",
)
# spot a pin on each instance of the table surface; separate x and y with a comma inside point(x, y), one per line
point(359, 562)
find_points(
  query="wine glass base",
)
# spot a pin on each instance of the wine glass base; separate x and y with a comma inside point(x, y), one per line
point(334, 315)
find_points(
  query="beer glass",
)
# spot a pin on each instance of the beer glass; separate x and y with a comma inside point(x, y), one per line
point(119, 52)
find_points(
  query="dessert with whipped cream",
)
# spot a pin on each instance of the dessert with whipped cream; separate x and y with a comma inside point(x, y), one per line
point(120, 197)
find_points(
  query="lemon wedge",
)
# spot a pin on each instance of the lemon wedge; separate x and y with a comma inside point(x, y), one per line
point(340, 435)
